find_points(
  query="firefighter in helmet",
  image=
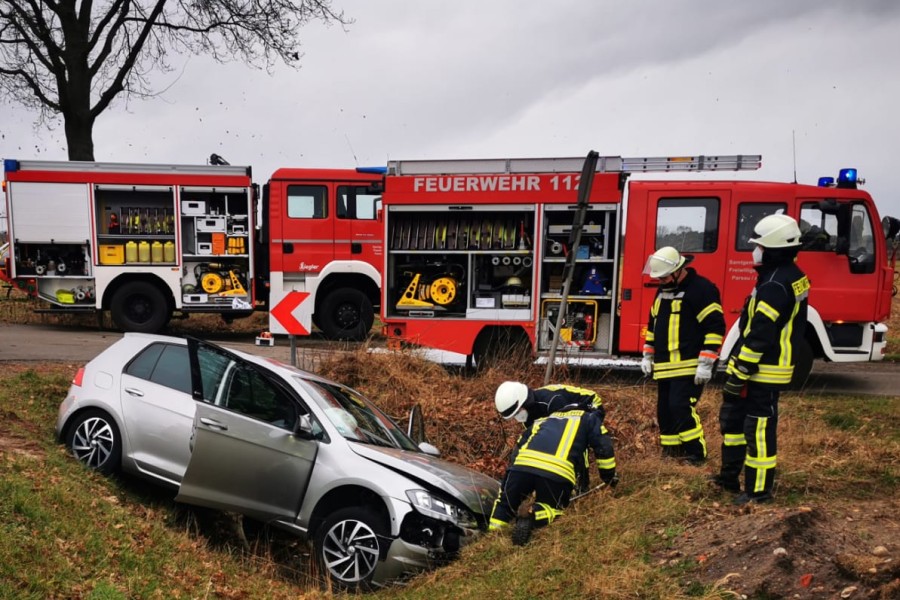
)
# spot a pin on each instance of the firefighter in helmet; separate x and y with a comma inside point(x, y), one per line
point(561, 423)
point(684, 333)
point(772, 324)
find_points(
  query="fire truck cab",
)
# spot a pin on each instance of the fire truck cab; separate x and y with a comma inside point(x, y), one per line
point(321, 251)
point(478, 254)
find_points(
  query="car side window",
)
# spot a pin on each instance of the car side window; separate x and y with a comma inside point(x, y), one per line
point(251, 394)
point(173, 369)
point(141, 366)
point(163, 364)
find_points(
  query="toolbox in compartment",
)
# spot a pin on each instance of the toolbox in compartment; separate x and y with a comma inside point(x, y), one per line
point(211, 224)
point(111, 254)
point(193, 207)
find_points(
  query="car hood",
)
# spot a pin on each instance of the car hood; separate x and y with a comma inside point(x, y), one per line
point(475, 490)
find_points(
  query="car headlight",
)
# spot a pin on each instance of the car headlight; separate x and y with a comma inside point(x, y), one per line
point(432, 506)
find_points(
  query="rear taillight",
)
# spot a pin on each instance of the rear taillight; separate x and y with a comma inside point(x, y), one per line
point(79, 377)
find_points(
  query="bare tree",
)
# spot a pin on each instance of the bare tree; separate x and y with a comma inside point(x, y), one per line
point(74, 57)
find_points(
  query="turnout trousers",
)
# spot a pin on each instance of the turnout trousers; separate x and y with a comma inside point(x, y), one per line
point(680, 429)
point(749, 438)
point(551, 496)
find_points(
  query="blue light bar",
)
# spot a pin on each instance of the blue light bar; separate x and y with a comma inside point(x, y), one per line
point(847, 176)
point(826, 181)
point(373, 170)
point(10, 165)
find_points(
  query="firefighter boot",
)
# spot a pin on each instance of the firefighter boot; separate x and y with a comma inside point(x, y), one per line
point(726, 482)
point(522, 530)
point(753, 498)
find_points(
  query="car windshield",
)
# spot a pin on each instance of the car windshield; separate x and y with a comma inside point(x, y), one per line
point(357, 419)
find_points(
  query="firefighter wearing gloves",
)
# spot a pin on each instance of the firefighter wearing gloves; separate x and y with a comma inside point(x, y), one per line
point(684, 332)
point(546, 455)
point(772, 324)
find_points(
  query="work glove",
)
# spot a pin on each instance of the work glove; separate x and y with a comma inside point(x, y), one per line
point(734, 387)
point(704, 368)
point(647, 364)
point(610, 479)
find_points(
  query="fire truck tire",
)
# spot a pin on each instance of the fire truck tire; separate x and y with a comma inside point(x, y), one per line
point(345, 314)
point(139, 306)
point(803, 363)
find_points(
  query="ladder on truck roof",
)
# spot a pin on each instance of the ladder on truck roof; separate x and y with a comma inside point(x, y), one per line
point(82, 166)
point(594, 163)
point(605, 164)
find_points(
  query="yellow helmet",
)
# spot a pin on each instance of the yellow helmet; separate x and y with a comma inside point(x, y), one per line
point(664, 262)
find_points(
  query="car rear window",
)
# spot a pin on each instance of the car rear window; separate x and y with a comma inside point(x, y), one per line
point(163, 364)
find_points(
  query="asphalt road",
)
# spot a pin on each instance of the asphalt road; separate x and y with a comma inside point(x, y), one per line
point(42, 343)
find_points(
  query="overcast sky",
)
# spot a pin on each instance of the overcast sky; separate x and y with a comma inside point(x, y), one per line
point(416, 79)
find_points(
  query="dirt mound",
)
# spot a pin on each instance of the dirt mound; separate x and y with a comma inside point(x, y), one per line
point(798, 552)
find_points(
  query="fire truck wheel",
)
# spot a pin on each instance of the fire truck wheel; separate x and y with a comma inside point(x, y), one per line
point(139, 306)
point(345, 314)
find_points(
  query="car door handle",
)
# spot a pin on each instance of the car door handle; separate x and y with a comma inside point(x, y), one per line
point(213, 423)
point(134, 392)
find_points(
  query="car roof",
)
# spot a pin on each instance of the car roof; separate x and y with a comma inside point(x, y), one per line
point(282, 368)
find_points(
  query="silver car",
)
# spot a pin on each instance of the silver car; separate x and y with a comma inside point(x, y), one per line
point(251, 435)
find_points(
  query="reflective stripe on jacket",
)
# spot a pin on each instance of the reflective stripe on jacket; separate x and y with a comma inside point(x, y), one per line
point(554, 443)
point(772, 323)
point(683, 322)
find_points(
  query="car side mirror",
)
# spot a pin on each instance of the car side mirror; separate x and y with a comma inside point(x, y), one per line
point(303, 428)
point(416, 427)
point(429, 449)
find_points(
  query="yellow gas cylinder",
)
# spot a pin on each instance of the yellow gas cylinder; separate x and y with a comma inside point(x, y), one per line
point(156, 252)
point(169, 252)
point(131, 252)
point(144, 252)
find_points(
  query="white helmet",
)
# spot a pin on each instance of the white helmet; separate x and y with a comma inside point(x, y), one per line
point(776, 231)
point(510, 397)
point(664, 262)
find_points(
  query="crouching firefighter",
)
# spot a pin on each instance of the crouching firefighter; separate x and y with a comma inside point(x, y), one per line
point(537, 403)
point(543, 462)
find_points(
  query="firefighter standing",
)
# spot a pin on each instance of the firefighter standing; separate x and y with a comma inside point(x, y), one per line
point(772, 324)
point(684, 333)
point(547, 453)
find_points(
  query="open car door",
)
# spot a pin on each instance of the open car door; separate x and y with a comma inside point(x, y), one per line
point(416, 431)
point(245, 456)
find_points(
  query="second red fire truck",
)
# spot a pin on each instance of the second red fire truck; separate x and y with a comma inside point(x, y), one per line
point(477, 254)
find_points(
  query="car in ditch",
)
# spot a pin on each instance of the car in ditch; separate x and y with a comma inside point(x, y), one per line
point(242, 433)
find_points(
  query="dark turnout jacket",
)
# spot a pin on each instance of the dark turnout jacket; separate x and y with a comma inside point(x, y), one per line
point(553, 444)
point(683, 322)
point(772, 324)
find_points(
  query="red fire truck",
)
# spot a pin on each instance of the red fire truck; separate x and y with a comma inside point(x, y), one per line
point(478, 250)
point(149, 241)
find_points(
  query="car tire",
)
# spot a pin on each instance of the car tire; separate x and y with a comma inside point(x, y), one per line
point(349, 545)
point(140, 306)
point(94, 440)
point(345, 314)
